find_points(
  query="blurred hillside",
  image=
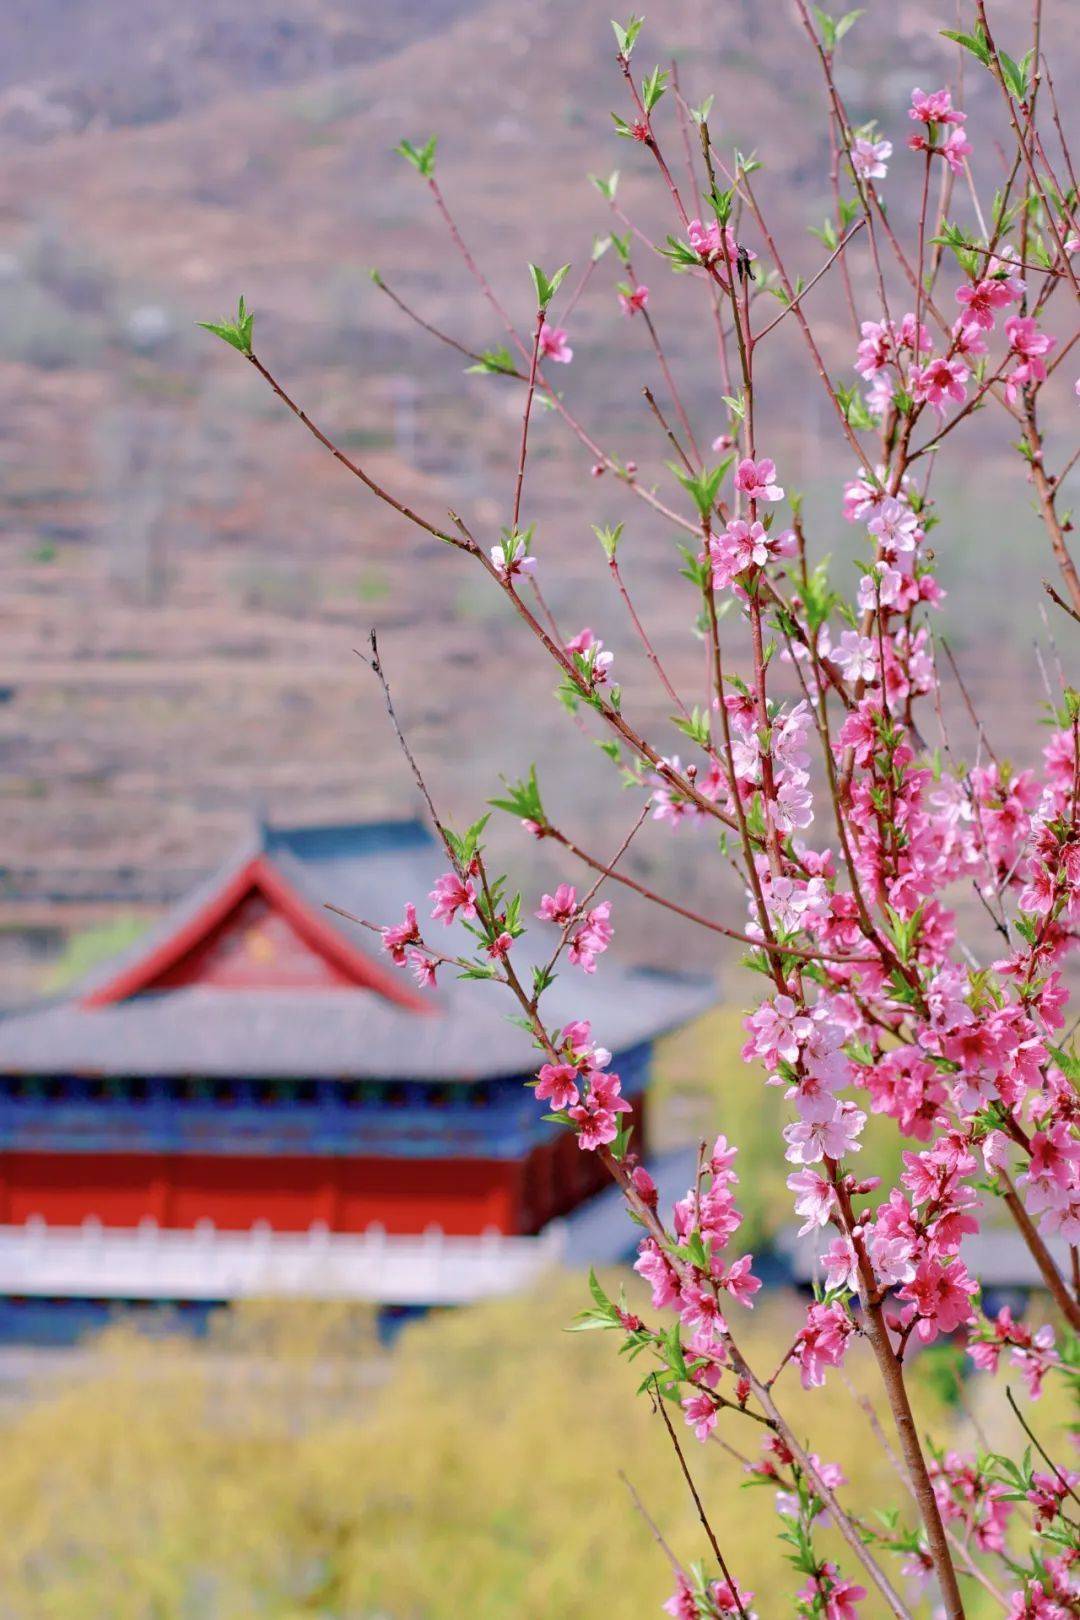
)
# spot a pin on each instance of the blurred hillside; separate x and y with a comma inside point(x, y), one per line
point(185, 574)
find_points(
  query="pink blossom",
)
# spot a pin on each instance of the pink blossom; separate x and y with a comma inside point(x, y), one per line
point(810, 1141)
point(954, 148)
point(592, 938)
point(716, 249)
point(869, 157)
point(757, 480)
point(1031, 346)
point(1026, 339)
point(982, 299)
point(589, 649)
point(877, 347)
point(729, 1599)
point(658, 1272)
point(822, 1342)
point(841, 1600)
point(396, 938)
point(512, 559)
point(1052, 1180)
point(938, 381)
point(776, 1029)
point(1049, 1492)
point(860, 730)
point(815, 1199)
point(633, 299)
point(741, 546)
point(451, 895)
point(682, 1604)
point(701, 1414)
point(935, 108)
point(839, 1596)
point(423, 969)
point(553, 344)
point(880, 586)
point(558, 1085)
point(595, 1124)
point(968, 341)
point(596, 1115)
point(856, 655)
point(940, 1296)
point(560, 906)
point(896, 527)
point(740, 1281)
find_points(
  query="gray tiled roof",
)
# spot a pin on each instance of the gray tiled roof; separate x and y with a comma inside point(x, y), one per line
point(343, 1033)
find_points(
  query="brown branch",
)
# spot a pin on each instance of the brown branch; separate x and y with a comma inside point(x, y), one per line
point(702, 1515)
point(796, 951)
point(350, 465)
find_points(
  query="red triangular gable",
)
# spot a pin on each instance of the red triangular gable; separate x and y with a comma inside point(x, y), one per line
point(256, 932)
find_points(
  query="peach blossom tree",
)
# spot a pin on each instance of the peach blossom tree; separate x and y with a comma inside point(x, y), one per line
point(805, 752)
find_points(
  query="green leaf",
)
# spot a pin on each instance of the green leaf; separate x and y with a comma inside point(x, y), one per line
point(1067, 1062)
point(522, 798)
point(976, 43)
point(494, 362)
point(422, 158)
point(1015, 74)
point(653, 87)
point(609, 538)
point(833, 29)
point(704, 486)
point(697, 728)
point(546, 286)
point(626, 37)
point(673, 1352)
point(237, 333)
point(847, 22)
point(607, 188)
point(826, 234)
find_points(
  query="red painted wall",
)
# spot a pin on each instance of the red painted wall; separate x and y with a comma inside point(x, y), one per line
point(403, 1195)
point(558, 1176)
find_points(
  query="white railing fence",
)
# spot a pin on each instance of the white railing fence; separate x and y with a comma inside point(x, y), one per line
point(149, 1262)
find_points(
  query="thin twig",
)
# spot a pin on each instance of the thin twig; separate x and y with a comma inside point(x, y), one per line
point(702, 1515)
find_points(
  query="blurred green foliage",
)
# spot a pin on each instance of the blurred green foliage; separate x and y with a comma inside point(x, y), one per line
point(90, 946)
point(287, 1467)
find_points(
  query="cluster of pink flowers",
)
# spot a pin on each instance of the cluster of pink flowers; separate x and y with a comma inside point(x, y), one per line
point(593, 932)
point(579, 1084)
point(713, 1599)
point(833, 1597)
point(942, 134)
point(1050, 1596)
point(980, 1507)
point(1030, 346)
point(703, 1223)
point(399, 941)
point(1032, 1351)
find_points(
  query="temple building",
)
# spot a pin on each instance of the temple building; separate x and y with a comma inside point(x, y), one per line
point(255, 1100)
